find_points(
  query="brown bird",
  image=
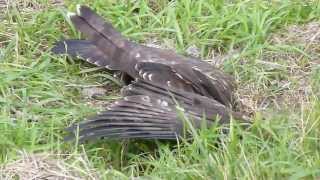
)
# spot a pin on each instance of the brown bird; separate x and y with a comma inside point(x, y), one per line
point(162, 83)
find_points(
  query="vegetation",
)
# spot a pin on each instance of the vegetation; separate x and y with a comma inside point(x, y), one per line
point(271, 47)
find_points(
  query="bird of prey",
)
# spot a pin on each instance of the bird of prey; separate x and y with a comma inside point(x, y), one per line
point(162, 82)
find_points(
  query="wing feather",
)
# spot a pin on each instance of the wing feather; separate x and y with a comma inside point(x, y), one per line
point(83, 49)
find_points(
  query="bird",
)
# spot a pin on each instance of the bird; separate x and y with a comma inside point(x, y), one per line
point(159, 83)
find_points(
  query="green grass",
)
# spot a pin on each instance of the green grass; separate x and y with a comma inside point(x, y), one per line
point(40, 93)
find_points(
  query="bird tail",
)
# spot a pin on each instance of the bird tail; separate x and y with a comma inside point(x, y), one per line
point(105, 46)
point(81, 49)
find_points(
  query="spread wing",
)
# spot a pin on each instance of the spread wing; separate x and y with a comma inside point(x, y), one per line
point(163, 79)
point(137, 116)
point(148, 110)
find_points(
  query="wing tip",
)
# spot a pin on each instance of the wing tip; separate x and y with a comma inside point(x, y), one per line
point(59, 48)
point(71, 14)
point(82, 10)
point(78, 9)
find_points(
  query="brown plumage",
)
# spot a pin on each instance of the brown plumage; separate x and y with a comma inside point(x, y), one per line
point(162, 79)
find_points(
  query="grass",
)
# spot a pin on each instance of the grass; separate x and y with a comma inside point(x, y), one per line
point(278, 76)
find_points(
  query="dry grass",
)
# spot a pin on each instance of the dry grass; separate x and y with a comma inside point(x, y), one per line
point(293, 86)
point(306, 35)
point(27, 5)
point(48, 166)
point(41, 94)
point(100, 97)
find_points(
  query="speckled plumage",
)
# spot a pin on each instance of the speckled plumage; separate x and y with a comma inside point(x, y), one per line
point(161, 80)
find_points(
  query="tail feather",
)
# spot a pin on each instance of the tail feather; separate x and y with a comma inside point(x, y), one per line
point(101, 25)
point(109, 45)
point(83, 49)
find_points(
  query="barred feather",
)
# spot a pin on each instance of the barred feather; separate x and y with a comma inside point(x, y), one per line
point(163, 80)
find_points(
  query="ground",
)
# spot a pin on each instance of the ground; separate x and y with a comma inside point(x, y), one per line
point(272, 48)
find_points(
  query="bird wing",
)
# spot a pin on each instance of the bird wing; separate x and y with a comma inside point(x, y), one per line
point(148, 110)
point(138, 116)
point(106, 47)
point(217, 86)
point(186, 78)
